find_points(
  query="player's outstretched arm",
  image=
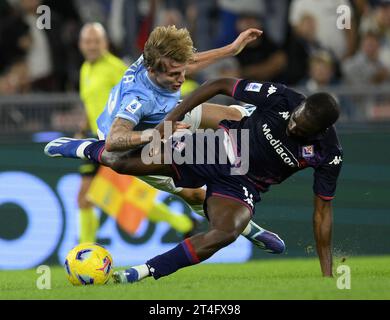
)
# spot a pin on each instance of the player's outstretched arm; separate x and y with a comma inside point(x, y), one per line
point(322, 225)
point(205, 92)
point(203, 59)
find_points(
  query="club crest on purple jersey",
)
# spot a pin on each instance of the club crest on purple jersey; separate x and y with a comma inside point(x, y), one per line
point(308, 151)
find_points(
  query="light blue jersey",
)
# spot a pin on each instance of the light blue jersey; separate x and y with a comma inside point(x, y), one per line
point(137, 99)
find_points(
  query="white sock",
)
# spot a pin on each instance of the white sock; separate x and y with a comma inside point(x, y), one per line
point(143, 271)
point(251, 229)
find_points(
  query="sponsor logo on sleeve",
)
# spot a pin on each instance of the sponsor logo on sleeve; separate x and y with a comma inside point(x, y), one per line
point(272, 89)
point(253, 86)
point(337, 160)
point(133, 106)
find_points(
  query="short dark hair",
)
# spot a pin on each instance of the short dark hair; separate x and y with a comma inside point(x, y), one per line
point(323, 109)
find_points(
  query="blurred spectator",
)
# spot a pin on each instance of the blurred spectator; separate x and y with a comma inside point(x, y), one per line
point(170, 17)
point(15, 41)
point(148, 13)
point(301, 45)
point(39, 57)
point(70, 19)
point(229, 12)
point(41, 50)
point(360, 8)
point(341, 42)
point(321, 72)
point(273, 15)
point(378, 21)
point(225, 68)
point(206, 23)
point(115, 24)
point(123, 25)
point(15, 79)
point(93, 10)
point(365, 66)
point(44, 52)
point(275, 20)
point(262, 59)
point(322, 78)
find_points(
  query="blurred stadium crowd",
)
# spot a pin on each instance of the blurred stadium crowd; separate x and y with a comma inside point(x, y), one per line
point(301, 45)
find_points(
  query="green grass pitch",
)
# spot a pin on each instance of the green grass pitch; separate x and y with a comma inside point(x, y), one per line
point(270, 279)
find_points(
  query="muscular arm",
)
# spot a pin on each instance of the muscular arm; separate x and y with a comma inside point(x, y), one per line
point(203, 59)
point(122, 137)
point(322, 227)
point(206, 91)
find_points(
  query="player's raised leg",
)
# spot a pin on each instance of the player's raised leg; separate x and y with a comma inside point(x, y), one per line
point(128, 163)
point(68, 147)
point(228, 218)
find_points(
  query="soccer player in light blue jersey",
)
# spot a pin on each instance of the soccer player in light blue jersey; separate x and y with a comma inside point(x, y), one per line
point(148, 91)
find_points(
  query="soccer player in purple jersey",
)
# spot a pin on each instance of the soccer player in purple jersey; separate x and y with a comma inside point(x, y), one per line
point(287, 133)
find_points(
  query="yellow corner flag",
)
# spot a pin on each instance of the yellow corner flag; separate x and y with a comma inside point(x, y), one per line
point(130, 200)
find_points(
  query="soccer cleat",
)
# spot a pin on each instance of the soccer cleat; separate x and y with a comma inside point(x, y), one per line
point(68, 147)
point(125, 276)
point(268, 241)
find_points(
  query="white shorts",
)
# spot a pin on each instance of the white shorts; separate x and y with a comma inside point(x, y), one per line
point(162, 183)
point(193, 118)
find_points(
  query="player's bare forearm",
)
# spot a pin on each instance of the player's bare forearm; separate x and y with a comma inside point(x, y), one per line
point(204, 59)
point(322, 225)
point(122, 137)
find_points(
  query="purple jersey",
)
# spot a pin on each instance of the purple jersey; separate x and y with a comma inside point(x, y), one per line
point(274, 156)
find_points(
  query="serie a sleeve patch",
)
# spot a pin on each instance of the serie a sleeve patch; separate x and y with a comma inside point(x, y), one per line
point(133, 106)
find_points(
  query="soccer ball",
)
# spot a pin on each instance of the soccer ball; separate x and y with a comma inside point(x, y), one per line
point(88, 263)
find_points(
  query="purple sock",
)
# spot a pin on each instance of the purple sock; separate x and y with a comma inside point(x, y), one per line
point(94, 151)
point(183, 255)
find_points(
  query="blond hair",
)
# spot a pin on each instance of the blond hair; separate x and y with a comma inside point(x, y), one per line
point(168, 42)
